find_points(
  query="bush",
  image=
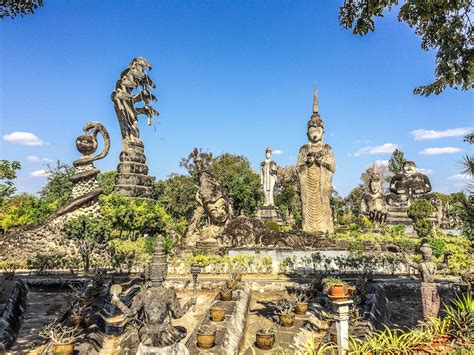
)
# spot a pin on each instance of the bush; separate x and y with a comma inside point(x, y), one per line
point(274, 226)
point(419, 211)
point(438, 246)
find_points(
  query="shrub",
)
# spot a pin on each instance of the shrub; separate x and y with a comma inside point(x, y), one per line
point(419, 211)
point(438, 246)
point(274, 226)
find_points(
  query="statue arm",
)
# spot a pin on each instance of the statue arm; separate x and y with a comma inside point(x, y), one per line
point(329, 162)
point(363, 206)
point(176, 310)
point(411, 263)
point(198, 213)
point(128, 311)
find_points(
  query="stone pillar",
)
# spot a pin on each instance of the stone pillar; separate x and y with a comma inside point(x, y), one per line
point(342, 325)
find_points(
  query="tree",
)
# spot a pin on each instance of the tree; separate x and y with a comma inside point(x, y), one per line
point(443, 25)
point(419, 211)
point(58, 189)
point(197, 155)
point(237, 177)
point(177, 195)
point(107, 181)
point(23, 209)
point(89, 233)
point(7, 174)
point(12, 8)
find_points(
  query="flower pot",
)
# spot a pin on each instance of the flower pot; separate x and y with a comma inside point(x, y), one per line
point(287, 320)
point(350, 290)
point(226, 295)
point(62, 349)
point(264, 341)
point(301, 308)
point(205, 341)
point(217, 314)
point(76, 320)
point(337, 291)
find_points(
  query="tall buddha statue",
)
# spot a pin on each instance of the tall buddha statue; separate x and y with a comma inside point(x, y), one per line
point(408, 186)
point(268, 177)
point(315, 168)
point(372, 204)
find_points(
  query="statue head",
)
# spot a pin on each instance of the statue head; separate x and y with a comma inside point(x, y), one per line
point(213, 199)
point(426, 251)
point(159, 266)
point(409, 167)
point(375, 182)
point(315, 131)
point(268, 153)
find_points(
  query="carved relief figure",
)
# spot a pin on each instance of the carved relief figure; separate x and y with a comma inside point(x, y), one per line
point(408, 186)
point(268, 177)
point(155, 306)
point(372, 204)
point(316, 167)
point(429, 289)
point(212, 202)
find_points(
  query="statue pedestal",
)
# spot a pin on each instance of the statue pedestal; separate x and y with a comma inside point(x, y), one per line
point(269, 213)
point(132, 179)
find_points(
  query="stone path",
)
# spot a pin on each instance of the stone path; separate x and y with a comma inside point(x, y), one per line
point(42, 309)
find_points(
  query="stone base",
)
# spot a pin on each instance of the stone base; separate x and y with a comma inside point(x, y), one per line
point(132, 179)
point(397, 215)
point(176, 349)
point(269, 213)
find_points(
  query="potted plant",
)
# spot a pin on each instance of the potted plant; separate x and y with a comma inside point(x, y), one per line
point(61, 336)
point(217, 314)
point(286, 313)
point(336, 288)
point(226, 293)
point(301, 304)
point(78, 313)
point(206, 336)
point(265, 335)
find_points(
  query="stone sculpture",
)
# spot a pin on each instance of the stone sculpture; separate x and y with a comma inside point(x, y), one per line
point(408, 186)
point(429, 289)
point(213, 202)
point(47, 238)
point(133, 87)
point(372, 204)
point(155, 306)
point(316, 167)
point(268, 179)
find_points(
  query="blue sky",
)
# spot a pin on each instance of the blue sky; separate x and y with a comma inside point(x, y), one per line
point(232, 76)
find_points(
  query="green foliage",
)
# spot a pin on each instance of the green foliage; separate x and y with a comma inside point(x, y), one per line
point(107, 181)
point(127, 217)
point(438, 246)
point(177, 195)
point(127, 253)
point(419, 211)
point(237, 176)
point(460, 317)
point(395, 164)
point(47, 262)
point(58, 189)
point(352, 203)
point(14, 8)
point(23, 209)
point(444, 26)
point(7, 174)
point(273, 225)
point(89, 233)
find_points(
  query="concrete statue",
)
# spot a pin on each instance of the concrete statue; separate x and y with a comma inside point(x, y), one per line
point(372, 204)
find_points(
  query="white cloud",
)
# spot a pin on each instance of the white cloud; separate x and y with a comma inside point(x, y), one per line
point(436, 151)
point(459, 177)
point(425, 171)
point(381, 163)
point(386, 148)
point(23, 138)
point(420, 134)
point(33, 159)
point(39, 173)
point(277, 152)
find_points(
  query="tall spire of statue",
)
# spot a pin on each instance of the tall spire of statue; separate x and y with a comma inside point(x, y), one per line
point(315, 100)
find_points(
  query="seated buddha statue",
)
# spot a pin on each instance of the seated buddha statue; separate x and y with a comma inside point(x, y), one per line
point(373, 204)
point(408, 186)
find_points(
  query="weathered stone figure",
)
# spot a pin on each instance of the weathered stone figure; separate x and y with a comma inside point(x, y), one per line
point(316, 167)
point(372, 204)
point(268, 177)
point(212, 202)
point(429, 289)
point(155, 306)
point(132, 88)
point(408, 186)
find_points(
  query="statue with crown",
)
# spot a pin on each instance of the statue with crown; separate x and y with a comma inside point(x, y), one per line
point(268, 179)
point(316, 167)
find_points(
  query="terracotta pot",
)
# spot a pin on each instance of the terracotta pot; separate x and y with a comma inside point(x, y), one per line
point(76, 320)
point(351, 290)
point(264, 341)
point(62, 349)
point(206, 341)
point(287, 320)
point(226, 295)
point(301, 308)
point(337, 291)
point(86, 321)
point(217, 314)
